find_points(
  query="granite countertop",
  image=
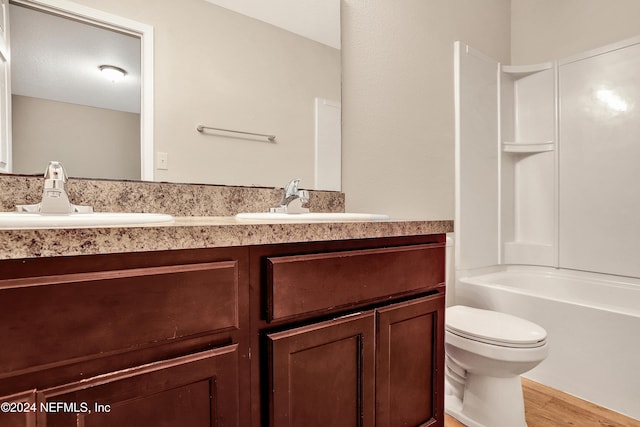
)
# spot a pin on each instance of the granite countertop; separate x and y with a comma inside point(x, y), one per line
point(198, 232)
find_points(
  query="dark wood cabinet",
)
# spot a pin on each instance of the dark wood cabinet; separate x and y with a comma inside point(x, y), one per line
point(323, 374)
point(84, 314)
point(199, 390)
point(410, 363)
point(348, 333)
point(307, 284)
point(19, 409)
point(142, 339)
point(321, 333)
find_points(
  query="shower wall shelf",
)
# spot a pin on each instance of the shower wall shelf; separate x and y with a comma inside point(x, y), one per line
point(528, 135)
point(527, 147)
point(519, 71)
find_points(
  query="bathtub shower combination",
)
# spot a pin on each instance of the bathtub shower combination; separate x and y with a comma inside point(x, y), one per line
point(547, 208)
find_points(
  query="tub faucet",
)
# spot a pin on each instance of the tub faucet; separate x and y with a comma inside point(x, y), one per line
point(55, 199)
point(292, 199)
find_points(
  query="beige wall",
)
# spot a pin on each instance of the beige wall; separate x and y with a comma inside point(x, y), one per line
point(90, 142)
point(221, 69)
point(398, 116)
point(543, 30)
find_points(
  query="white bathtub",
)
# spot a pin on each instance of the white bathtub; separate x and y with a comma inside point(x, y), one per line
point(593, 326)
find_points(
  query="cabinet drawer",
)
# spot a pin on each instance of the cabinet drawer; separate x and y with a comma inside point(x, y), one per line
point(304, 284)
point(47, 320)
point(198, 390)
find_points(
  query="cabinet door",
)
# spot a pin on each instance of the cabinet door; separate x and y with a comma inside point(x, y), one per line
point(199, 390)
point(323, 374)
point(18, 410)
point(410, 363)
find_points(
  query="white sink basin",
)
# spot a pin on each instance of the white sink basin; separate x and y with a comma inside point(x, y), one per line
point(311, 216)
point(12, 220)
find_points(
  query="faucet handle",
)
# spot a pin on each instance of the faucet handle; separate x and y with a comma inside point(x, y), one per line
point(55, 176)
point(303, 195)
point(55, 170)
point(291, 189)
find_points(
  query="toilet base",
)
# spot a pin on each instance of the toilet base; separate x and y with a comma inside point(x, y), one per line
point(453, 407)
point(488, 402)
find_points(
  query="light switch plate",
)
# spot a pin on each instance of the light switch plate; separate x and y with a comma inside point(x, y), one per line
point(162, 160)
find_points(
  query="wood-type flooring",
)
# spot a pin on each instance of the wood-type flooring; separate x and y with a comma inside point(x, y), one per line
point(547, 407)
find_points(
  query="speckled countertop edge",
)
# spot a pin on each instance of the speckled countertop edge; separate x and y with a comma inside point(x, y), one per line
point(198, 232)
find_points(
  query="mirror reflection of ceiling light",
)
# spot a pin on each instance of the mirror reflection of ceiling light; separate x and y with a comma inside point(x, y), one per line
point(112, 73)
point(612, 100)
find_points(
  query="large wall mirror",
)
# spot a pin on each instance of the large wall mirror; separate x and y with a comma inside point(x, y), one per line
point(207, 65)
point(66, 105)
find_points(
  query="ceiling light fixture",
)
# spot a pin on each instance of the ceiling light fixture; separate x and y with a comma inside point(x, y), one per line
point(112, 73)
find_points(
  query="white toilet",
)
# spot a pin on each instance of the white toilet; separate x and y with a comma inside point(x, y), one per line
point(486, 351)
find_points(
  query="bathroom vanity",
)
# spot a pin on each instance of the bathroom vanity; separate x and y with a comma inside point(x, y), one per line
point(236, 332)
point(348, 332)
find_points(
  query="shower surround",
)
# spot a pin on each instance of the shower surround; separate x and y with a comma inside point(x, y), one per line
point(546, 177)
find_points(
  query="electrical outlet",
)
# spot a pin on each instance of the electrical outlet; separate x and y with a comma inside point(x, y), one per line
point(162, 160)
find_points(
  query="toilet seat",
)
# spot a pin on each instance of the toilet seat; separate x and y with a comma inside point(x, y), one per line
point(493, 328)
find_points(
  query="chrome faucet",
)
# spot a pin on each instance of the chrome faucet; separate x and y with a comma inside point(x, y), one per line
point(55, 199)
point(292, 199)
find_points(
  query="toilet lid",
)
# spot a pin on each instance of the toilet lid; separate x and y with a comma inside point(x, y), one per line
point(493, 327)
